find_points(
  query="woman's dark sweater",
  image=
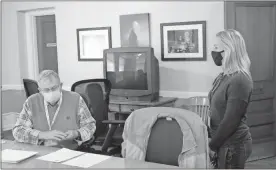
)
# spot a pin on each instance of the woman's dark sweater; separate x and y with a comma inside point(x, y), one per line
point(229, 99)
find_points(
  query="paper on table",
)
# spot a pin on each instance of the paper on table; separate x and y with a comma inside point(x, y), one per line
point(61, 155)
point(15, 156)
point(87, 160)
point(3, 141)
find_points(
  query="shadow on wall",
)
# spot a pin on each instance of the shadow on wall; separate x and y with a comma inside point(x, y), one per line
point(184, 81)
point(13, 100)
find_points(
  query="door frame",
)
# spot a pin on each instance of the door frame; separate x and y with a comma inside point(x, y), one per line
point(31, 39)
point(274, 54)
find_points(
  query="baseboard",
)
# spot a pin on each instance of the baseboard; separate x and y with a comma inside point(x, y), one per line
point(21, 87)
point(9, 120)
point(12, 87)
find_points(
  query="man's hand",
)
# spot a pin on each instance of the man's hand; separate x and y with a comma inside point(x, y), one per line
point(71, 134)
point(52, 135)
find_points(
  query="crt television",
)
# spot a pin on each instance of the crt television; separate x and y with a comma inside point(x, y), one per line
point(133, 73)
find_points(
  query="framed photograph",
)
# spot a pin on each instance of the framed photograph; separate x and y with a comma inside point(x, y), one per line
point(92, 42)
point(135, 30)
point(183, 41)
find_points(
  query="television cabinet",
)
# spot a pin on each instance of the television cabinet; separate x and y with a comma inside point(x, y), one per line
point(127, 107)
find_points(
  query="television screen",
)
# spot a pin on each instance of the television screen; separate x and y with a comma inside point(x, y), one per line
point(127, 70)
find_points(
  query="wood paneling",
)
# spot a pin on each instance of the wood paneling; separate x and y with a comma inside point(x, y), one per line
point(262, 149)
point(259, 132)
point(263, 90)
point(258, 119)
point(256, 25)
point(260, 105)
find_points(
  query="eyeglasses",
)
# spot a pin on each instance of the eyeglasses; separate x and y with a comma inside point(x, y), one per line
point(47, 90)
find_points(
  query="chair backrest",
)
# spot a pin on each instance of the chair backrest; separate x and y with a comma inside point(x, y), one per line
point(200, 105)
point(165, 142)
point(95, 93)
point(30, 86)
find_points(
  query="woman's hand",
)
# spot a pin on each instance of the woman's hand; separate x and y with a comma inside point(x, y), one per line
point(213, 157)
point(211, 152)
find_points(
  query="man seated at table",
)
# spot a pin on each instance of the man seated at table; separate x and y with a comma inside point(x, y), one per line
point(54, 117)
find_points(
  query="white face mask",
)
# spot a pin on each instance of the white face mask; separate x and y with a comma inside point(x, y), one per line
point(51, 91)
point(52, 97)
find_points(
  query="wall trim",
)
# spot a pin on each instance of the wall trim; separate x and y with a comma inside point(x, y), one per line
point(164, 93)
point(21, 87)
point(12, 87)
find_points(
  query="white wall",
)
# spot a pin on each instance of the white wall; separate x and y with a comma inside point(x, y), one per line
point(174, 76)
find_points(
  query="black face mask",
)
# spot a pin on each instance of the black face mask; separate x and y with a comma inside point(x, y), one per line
point(217, 57)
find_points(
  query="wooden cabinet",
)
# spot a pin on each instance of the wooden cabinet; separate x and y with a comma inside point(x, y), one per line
point(128, 107)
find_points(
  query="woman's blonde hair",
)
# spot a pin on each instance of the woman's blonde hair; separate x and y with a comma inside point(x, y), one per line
point(236, 58)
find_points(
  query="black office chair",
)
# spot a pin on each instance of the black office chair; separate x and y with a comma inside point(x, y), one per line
point(96, 95)
point(160, 148)
point(30, 86)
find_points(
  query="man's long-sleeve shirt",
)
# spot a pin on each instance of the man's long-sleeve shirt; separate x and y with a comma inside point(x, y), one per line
point(23, 130)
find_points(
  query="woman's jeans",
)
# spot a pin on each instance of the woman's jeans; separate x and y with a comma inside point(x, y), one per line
point(233, 156)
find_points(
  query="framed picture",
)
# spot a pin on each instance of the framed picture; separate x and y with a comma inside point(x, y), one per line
point(92, 42)
point(183, 41)
point(135, 30)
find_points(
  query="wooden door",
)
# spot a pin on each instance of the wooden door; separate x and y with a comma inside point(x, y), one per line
point(256, 21)
point(46, 43)
point(1, 82)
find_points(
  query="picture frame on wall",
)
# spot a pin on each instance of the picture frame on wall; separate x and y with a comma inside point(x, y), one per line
point(135, 30)
point(92, 41)
point(183, 41)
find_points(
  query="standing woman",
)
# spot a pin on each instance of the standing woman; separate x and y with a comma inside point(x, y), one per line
point(229, 99)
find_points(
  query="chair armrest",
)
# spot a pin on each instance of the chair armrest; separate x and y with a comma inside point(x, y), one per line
point(113, 121)
point(113, 112)
point(122, 113)
point(86, 144)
